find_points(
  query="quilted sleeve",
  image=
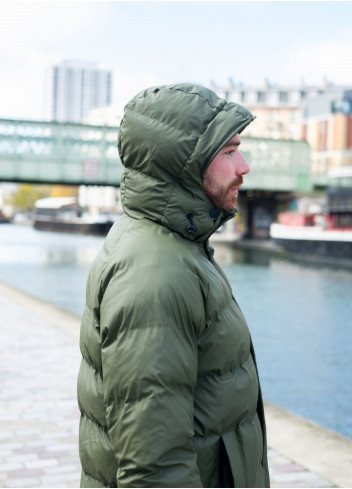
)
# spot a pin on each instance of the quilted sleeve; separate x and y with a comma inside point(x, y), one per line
point(149, 327)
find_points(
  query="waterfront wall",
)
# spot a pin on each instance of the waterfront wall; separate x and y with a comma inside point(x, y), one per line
point(322, 451)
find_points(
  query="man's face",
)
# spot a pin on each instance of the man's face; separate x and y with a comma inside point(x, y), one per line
point(223, 176)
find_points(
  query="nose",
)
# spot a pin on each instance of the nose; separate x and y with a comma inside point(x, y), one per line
point(242, 167)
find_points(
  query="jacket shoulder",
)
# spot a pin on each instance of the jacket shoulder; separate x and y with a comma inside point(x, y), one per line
point(152, 275)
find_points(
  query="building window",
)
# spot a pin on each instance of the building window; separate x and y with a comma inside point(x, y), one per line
point(283, 96)
point(343, 106)
point(108, 89)
point(323, 133)
point(55, 93)
point(349, 133)
point(261, 96)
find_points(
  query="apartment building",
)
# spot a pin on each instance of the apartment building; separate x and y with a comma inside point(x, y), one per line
point(327, 126)
point(278, 108)
point(73, 88)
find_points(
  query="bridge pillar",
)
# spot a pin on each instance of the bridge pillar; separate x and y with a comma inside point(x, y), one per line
point(258, 209)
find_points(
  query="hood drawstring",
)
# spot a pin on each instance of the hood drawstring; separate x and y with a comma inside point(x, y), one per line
point(191, 228)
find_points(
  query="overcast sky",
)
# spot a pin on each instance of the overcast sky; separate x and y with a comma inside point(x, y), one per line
point(147, 43)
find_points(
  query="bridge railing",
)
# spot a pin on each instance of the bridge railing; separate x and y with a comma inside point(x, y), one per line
point(51, 152)
point(277, 164)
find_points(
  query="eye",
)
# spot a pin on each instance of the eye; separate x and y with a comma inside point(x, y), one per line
point(229, 152)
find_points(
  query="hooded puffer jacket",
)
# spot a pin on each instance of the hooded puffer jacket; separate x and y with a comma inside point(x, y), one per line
point(168, 387)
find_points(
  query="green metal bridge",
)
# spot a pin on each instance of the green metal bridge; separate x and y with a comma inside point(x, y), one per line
point(78, 154)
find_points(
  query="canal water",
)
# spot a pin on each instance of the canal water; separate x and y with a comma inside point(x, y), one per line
point(300, 315)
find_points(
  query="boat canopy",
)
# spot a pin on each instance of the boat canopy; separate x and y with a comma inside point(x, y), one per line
point(55, 202)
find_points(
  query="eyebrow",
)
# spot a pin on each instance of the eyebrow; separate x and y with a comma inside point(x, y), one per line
point(231, 143)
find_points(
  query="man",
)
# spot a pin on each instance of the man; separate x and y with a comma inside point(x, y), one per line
point(168, 386)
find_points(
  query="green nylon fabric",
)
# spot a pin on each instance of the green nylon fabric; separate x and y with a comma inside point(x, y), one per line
point(168, 387)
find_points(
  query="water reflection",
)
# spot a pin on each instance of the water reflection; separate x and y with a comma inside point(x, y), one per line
point(48, 265)
point(226, 254)
point(21, 244)
point(300, 319)
point(60, 256)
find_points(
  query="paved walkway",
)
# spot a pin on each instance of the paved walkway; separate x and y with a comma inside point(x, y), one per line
point(39, 362)
point(38, 409)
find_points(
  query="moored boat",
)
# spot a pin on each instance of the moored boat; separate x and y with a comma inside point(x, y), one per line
point(318, 235)
point(313, 241)
point(63, 214)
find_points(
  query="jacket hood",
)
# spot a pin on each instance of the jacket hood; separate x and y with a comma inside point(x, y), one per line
point(167, 138)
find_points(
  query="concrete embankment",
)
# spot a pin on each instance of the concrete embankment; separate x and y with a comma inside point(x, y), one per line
point(39, 361)
point(319, 450)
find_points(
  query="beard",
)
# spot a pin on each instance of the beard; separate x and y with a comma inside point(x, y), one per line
point(222, 196)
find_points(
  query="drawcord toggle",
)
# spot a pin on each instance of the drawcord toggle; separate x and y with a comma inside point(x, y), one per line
point(192, 228)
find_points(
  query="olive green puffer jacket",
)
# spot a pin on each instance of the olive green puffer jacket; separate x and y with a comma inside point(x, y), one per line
point(168, 387)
